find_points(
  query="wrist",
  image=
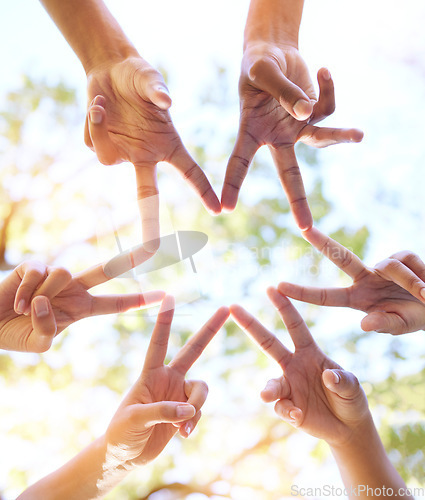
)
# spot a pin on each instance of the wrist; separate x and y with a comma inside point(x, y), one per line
point(273, 21)
point(360, 436)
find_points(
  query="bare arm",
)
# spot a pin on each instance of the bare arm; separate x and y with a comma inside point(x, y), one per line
point(84, 24)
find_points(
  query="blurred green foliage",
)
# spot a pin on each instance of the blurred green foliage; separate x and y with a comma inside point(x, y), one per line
point(238, 439)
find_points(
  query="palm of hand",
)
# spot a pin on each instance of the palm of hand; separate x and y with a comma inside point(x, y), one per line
point(142, 132)
point(321, 417)
point(161, 384)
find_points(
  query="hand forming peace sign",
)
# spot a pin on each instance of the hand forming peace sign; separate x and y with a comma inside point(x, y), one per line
point(392, 293)
point(161, 402)
point(37, 302)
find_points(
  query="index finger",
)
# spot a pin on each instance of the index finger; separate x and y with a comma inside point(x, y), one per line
point(245, 147)
point(114, 267)
point(342, 257)
point(191, 351)
point(294, 323)
point(292, 182)
point(196, 178)
point(265, 339)
point(158, 344)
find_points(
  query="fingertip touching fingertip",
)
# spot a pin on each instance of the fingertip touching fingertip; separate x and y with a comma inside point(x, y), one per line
point(227, 205)
point(214, 208)
point(272, 292)
point(234, 308)
point(302, 109)
point(224, 311)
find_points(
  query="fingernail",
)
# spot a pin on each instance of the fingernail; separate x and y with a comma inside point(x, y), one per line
point(423, 293)
point(293, 414)
point(271, 388)
point(41, 308)
point(337, 378)
point(20, 308)
point(95, 116)
point(163, 89)
point(302, 109)
point(326, 74)
point(188, 428)
point(184, 411)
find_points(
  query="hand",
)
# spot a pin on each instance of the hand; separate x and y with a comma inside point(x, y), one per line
point(37, 302)
point(314, 393)
point(279, 108)
point(128, 120)
point(161, 402)
point(392, 293)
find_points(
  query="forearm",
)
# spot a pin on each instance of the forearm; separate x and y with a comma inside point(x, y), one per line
point(91, 31)
point(275, 21)
point(87, 476)
point(364, 464)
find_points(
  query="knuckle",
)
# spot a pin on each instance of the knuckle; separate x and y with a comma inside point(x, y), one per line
point(61, 273)
point(258, 66)
point(410, 258)
point(323, 297)
point(120, 305)
point(165, 411)
point(414, 282)
point(402, 254)
point(32, 278)
point(194, 173)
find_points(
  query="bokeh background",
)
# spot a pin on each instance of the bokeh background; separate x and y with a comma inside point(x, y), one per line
point(58, 204)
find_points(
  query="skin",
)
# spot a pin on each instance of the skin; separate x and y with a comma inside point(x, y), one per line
point(159, 405)
point(128, 105)
point(278, 104)
point(392, 293)
point(316, 395)
point(37, 302)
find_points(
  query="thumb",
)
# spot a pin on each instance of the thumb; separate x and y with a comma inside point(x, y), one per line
point(384, 322)
point(44, 325)
point(150, 84)
point(164, 412)
point(267, 76)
